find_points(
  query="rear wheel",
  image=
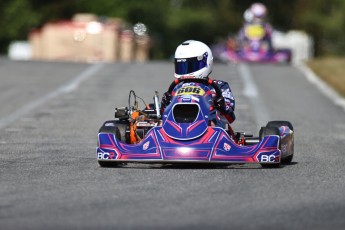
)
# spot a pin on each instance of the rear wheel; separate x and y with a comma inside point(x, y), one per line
point(267, 131)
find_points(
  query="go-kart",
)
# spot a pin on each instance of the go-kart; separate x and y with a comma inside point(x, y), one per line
point(254, 46)
point(184, 134)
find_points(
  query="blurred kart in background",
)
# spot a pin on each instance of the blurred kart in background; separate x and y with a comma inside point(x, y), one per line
point(183, 133)
point(253, 45)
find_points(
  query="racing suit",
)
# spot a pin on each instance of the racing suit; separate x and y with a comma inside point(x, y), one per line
point(223, 107)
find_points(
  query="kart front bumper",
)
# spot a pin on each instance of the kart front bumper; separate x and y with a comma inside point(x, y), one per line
point(214, 147)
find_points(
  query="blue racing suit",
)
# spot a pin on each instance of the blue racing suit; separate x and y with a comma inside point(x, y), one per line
point(226, 109)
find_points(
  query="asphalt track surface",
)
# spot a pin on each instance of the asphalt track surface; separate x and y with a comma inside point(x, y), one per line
point(50, 179)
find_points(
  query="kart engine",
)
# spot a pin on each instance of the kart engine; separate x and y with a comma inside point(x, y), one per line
point(142, 127)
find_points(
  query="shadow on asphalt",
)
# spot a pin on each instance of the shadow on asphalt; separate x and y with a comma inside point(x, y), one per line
point(188, 166)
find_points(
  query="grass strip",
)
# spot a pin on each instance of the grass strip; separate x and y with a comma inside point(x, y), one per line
point(331, 70)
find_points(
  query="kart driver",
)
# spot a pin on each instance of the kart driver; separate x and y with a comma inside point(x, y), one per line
point(257, 14)
point(194, 59)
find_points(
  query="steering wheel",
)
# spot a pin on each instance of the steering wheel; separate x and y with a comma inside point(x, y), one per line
point(206, 82)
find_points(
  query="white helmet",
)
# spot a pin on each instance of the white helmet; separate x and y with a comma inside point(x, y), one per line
point(193, 59)
point(248, 16)
point(258, 10)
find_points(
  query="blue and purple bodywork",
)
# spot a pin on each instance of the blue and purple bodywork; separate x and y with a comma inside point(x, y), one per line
point(185, 136)
point(258, 55)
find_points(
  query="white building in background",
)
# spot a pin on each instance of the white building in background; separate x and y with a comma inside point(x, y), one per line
point(20, 50)
point(301, 44)
point(85, 38)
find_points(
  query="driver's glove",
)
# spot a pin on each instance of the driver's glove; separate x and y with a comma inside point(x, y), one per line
point(219, 104)
point(166, 98)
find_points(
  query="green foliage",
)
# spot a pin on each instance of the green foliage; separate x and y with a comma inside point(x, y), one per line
point(185, 24)
point(172, 21)
point(17, 17)
point(325, 20)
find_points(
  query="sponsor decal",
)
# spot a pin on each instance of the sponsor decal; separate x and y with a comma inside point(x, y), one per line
point(196, 90)
point(105, 155)
point(181, 60)
point(186, 98)
point(188, 84)
point(227, 94)
point(102, 156)
point(226, 147)
point(146, 145)
point(284, 148)
point(268, 158)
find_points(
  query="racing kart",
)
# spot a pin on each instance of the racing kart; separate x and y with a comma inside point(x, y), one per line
point(255, 46)
point(184, 134)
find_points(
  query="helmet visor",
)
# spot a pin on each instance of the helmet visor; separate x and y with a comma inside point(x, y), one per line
point(190, 65)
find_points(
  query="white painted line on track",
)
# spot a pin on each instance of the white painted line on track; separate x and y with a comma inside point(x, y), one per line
point(251, 91)
point(65, 89)
point(321, 85)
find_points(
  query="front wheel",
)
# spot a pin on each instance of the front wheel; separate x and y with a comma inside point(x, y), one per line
point(287, 141)
point(118, 130)
point(110, 164)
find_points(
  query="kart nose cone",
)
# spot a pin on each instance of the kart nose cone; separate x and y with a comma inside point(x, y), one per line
point(185, 122)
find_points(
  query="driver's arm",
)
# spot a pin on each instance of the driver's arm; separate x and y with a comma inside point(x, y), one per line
point(228, 106)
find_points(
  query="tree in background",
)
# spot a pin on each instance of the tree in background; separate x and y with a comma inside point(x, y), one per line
point(17, 17)
point(325, 21)
point(172, 21)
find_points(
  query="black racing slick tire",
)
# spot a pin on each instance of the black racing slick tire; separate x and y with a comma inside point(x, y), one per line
point(108, 164)
point(109, 127)
point(266, 131)
point(115, 128)
point(277, 124)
